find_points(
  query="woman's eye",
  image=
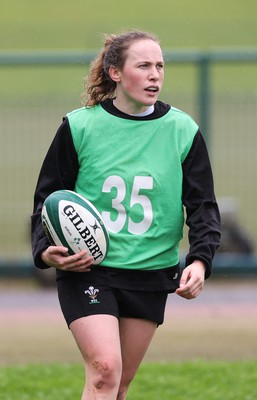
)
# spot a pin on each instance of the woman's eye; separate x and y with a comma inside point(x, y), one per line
point(158, 66)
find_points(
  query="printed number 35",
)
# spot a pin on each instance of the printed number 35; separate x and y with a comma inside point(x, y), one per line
point(140, 182)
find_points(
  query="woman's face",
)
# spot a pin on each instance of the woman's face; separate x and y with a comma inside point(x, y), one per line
point(140, 80)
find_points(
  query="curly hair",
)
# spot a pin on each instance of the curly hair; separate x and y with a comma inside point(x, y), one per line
point(98, 85)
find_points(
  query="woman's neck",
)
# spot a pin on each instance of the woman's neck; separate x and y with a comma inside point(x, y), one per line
point(141, 111)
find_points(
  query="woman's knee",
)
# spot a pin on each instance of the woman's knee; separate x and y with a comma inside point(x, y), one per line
point(122, 392)
point(124, 386)
point(105, 373)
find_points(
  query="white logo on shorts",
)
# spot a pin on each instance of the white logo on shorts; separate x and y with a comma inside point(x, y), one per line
point(92, 292)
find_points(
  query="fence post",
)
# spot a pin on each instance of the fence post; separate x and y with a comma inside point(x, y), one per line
point(204, 100)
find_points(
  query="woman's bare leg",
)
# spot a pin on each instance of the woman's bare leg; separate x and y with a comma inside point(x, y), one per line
point(97, 337)
point(135, 337)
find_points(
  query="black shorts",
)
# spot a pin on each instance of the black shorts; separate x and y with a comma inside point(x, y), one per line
point(79, 299)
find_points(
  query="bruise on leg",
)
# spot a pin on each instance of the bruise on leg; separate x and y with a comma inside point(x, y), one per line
point(103, 370)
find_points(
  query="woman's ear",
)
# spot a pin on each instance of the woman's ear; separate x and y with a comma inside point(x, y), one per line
point(114, 74)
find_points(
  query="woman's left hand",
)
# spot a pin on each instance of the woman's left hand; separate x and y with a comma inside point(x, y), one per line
point(192, 280)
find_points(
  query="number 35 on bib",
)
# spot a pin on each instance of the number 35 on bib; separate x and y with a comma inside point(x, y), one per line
point(140, 183)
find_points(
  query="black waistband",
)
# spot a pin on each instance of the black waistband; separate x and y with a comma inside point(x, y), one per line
point(166, 279)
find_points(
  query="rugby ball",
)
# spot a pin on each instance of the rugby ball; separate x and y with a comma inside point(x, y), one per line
point(70, 220)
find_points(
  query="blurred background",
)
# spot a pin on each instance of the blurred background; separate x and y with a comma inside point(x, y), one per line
point(211, 73)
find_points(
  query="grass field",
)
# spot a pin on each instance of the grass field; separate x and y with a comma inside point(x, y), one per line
point(34, 100)
point(181, 381)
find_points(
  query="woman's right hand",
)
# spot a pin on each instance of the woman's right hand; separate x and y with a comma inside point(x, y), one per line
point(59, 258)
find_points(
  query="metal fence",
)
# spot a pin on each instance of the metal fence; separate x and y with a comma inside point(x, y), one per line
point(218, 88)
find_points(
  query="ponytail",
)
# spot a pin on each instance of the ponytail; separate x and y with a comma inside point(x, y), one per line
point(98, 86)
